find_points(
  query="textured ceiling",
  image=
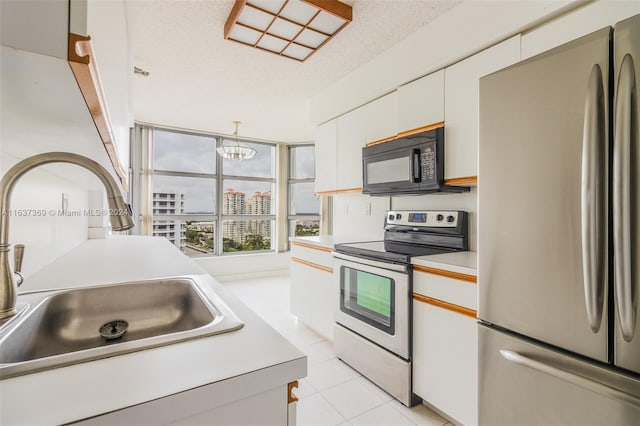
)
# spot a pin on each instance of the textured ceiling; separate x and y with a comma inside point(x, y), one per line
point(200, 81)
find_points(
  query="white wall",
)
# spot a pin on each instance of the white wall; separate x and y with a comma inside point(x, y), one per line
point(52, 235)
point(359, 217)
point(228, 268)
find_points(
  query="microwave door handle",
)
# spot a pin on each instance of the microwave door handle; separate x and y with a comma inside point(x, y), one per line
point(415, 165)
point(624, 289)
point(593, 199)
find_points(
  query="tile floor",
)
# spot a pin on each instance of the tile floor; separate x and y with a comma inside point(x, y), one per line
point(332, 393)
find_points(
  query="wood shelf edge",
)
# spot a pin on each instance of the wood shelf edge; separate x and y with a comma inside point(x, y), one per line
point(339, 191)
point(445, 305)
point(464, 180)
point(312, 265)
point(408, 133)
point(311, 246)
point(444, 273)
point(81, 59)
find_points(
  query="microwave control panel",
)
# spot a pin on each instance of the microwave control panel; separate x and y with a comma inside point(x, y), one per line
point(428, 163)
point(424, 218)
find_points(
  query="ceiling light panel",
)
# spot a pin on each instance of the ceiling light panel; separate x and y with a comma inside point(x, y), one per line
point(311, 38)
point(255, 18)
point(291, 28)
point(271, 43)
point(298, 11)
point(284, 29)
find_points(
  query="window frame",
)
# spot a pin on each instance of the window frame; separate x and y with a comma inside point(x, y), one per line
point(291, 181)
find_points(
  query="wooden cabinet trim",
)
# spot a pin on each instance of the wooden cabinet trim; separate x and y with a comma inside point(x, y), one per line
point(312, 265)
point(409, 133)
point(465, 180)
point(311, 246)
point(81, 59)
point(339, 191)
point(444, 273)
point(291, 397)
point(445, 305)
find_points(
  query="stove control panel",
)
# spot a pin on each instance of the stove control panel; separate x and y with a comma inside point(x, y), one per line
point(423, 218)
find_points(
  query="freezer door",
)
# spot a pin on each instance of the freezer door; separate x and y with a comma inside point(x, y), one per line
point(543, 200)
point(626, 199)
point(525, 384)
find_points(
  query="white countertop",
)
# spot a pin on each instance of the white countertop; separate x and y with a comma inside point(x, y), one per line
point(322, 241)
point(464, 262)
point(76, 392)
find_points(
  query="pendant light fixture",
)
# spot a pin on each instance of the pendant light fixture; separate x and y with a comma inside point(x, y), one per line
point(235, 150)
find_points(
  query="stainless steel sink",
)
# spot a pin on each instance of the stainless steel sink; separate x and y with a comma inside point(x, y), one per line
point(63, 327)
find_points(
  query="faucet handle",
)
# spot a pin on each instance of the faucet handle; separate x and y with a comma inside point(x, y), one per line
point(18, 254)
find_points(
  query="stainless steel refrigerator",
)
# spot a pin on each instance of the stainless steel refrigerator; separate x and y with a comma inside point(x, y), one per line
point(559, 235)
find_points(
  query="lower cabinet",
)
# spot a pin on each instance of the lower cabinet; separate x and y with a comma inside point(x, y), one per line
point(312, 289)
point(445, 370)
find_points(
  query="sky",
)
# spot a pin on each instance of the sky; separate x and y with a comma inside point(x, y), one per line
point(190, 153)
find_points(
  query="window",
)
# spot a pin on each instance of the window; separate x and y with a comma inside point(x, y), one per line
point(304, 205)
point(205, 204)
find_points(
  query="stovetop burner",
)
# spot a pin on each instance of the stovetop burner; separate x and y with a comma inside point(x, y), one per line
point(414, 233)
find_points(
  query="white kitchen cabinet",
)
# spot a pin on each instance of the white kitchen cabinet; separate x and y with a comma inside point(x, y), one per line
point(445, 344)
point(58, 31)
point(381, 118)
point(585, 20)
point(461, 106)
point(312, 288)
point(325, 155)
point(351, 140)
point(421, 102)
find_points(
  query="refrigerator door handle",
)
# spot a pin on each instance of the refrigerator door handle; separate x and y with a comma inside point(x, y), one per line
point(593, 200)
point(625, 294)
point(573, 378)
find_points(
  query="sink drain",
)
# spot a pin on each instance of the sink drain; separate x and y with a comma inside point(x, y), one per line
point(114, 329)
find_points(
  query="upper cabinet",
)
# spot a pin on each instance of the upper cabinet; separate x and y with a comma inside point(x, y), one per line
point(351, 140)
point(421, 102)
point(325, 154)
point(381, 118)
point(461, 107)
point(85, 35)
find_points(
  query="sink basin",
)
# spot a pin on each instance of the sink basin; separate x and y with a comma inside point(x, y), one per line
point(65, 327)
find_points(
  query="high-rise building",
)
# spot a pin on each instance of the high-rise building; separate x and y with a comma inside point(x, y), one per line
point(260, 203)
point(233, 202)
point(169, 203)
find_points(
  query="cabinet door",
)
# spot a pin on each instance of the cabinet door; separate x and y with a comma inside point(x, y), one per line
point(381, 118)
point(313, 297)
point(421, 103)
point(351, 140)
point(325, 153)
point(461, 108)
point(445, 361)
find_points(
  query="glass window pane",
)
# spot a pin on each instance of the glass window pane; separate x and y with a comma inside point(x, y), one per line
point(246, 197)
point(183, 195)
point(246, 235)
point(191, 237)
point(302, 162)
point(302, 199)
point(181, 152)
point(262, 165)
point(304, 228)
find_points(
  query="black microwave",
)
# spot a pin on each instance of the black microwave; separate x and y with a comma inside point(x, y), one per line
point(405, 166)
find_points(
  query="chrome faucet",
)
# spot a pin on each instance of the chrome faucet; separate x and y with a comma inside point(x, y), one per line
point(119, 212)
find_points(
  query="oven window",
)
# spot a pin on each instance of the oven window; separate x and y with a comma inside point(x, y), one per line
point(368, 297)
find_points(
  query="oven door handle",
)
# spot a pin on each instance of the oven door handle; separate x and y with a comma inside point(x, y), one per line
point(368, 262)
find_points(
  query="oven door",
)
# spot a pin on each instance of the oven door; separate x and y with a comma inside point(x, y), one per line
point(373, 301)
